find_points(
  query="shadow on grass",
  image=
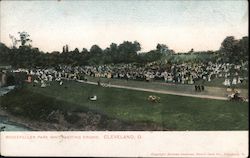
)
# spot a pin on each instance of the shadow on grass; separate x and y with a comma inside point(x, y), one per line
point(37, 107)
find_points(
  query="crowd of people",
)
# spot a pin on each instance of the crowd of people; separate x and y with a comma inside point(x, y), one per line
point(186, 73)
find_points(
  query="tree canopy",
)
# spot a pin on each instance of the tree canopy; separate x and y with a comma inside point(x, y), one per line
point(231, 50)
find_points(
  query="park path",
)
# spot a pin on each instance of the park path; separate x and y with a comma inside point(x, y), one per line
point(159, 91)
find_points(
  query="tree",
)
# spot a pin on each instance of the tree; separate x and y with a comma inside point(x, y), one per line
point(66, 48)
point(95, 55)
point(162, 48)
point(63, 49)
point(191, 51)
point(243, 48)
point(137, 46)
point(171, 51)
point(229, 50)
point(76, 50)
point(107, 56)
point(113, 48)
point(24, 38)
point(84, 51)
point(83, 57)
point(150, 56)
point(4, 54)
point(128, 51)
point(114, 53)
point(95, 49)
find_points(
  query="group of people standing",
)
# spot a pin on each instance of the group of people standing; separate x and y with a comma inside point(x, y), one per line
point(185, 73)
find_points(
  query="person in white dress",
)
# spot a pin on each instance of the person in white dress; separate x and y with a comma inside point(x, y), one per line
point(226, 82)
point(43, 84)
point(234, 82)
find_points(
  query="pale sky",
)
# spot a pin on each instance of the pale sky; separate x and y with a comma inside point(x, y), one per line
point(181, 25)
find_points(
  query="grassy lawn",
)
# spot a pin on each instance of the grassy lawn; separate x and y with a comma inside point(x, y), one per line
point(183, 88)
point(173, 112)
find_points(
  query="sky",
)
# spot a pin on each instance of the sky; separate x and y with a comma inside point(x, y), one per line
point(181, 25)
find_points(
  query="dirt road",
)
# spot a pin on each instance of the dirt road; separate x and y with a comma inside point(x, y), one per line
point(158, 91)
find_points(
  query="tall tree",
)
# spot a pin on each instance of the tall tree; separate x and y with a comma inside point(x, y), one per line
point(95, 49)
point(229, 50)
point(24, 38)
point(244, 50)
point(162, 48)
point(76, 50)
point(95, 55)
point(128, 51)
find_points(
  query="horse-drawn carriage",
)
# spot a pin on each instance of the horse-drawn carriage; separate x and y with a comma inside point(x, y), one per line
point(236, 97)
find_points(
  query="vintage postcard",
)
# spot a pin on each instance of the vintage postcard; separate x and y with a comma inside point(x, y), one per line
point(139, 78)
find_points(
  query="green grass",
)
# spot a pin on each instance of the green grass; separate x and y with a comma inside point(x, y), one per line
point(183, 88)
point(187, 57)
point(173, 112)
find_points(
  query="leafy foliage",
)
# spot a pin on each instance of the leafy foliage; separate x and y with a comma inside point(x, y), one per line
point(231, 50)
point(173, 112)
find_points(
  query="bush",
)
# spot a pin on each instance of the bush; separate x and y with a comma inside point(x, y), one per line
point(28, 104)
point(71, 118)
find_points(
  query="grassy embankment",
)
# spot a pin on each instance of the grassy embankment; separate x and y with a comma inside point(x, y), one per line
point(173, 112)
